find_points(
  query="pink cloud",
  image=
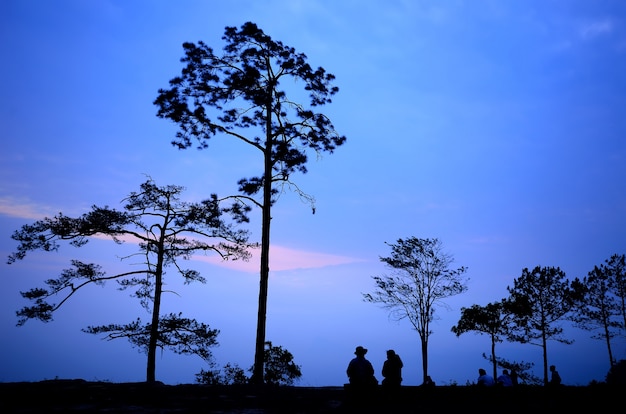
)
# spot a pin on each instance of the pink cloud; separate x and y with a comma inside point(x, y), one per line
point(13, 208)
point(282, 258)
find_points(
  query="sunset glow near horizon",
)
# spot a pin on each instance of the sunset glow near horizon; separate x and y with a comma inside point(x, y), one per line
point(496, 127)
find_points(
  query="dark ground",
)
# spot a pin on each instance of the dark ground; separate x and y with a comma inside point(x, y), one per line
point(79, 396)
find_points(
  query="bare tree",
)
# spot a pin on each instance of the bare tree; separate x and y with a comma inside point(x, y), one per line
point(420, 279)
point(237, 95)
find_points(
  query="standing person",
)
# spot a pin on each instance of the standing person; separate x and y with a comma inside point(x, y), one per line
point(484, 379)
point(514, 376)
point(392, 370)
point(360, 371)
point(504, 379)
point(556, 378)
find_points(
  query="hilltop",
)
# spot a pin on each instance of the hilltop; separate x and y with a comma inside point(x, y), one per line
point(79, 396)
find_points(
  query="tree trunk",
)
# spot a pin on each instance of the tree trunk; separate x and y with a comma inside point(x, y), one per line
point(257, 374)
point(493, 356)
point(156, 309)
point(544, 344)
point(424, 342)
point(607, 335)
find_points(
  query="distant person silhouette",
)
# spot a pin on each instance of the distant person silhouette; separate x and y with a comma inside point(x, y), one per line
point(504, 379)
point(514, 377)
point(360, 371)
point(484, 379)
point(428, 382)
point(392, 370)
point(555, 380)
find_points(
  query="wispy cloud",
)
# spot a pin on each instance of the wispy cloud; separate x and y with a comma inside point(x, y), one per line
point(281, 259)
point(23, 209)
point(596, 28)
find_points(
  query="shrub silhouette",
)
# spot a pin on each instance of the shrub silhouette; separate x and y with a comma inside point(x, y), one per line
point(617, 374)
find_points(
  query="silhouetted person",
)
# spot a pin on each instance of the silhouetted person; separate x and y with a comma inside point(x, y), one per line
point(504, 379)
point(513, 375)
point(363, 384)
point(555, 380)
point(428, 382)
point(392, 370)
point(360, 371)
point(484, 379)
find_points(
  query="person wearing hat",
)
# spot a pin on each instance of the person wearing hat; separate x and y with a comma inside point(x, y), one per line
point(360, 371)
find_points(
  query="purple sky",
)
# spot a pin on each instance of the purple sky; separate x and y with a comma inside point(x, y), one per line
point(497, 127)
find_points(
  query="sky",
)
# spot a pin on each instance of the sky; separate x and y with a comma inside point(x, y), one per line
point(495, 126)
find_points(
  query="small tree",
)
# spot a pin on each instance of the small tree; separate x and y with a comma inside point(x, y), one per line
point(615, 267)
point(165, 229)
point(280, 369)
point(543, 298)
point(231, 374)
point(596, 308)
point(491, 320)
point(238, 95)
point(235, 375)
point(421, 278)
point(617, 373)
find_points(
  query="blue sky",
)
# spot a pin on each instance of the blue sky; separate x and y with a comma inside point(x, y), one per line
point(496, 126)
